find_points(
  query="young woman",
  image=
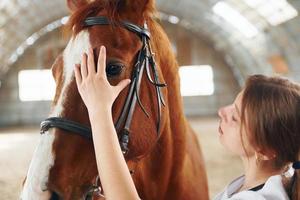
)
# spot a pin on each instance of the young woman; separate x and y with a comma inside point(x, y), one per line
point(262, 126)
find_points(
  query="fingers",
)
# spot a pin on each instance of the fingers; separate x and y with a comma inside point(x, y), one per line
point(122, 84)
point(83, 67)
point(78, 77)
point(91, 62)
point(88, 64)
point(101, 68)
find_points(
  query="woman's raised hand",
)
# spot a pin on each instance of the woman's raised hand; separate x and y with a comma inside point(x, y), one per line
point(94, 88)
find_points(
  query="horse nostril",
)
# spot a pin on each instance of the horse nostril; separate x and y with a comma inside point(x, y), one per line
point(54, 196)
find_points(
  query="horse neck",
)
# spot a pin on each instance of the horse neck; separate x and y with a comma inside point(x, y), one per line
point(170, 151)
point(169, 68)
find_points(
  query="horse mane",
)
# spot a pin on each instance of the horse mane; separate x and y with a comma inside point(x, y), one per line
point(113, 8)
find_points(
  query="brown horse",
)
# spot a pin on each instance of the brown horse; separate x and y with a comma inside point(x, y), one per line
point(168, 165)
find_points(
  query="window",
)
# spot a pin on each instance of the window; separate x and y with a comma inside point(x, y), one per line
point(196, 80)
point(36, 85)
point(235, 18)
point(275, 11)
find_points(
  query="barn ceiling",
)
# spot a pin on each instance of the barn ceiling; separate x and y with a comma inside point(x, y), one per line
point(256, 36)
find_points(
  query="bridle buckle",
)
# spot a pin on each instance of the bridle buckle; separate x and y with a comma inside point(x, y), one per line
point(95, 189)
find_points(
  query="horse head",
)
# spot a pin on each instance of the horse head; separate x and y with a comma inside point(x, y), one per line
point(64, 164)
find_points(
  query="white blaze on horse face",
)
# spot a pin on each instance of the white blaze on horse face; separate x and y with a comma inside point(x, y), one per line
point(38, 169)
point(43, 157)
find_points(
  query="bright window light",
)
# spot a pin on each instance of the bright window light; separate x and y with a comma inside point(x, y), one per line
point(274, 11)
point(196, 80)
point(235, 18)
point(173, 19)
point(253, 3)
point(36, 85)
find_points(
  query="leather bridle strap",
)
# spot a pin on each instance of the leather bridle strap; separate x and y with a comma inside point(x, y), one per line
point(101, 20)
point(67, 125)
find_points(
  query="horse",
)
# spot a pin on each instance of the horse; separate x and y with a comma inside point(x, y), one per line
point(160, 147)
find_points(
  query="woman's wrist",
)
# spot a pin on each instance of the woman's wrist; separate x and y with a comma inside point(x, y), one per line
point(100, 113)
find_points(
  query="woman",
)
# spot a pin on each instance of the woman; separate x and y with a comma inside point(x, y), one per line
point(262, 126)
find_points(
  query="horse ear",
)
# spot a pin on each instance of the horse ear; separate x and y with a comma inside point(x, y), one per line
point(75, 4)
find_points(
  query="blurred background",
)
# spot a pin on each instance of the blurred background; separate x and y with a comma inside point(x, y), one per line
point(217, 44)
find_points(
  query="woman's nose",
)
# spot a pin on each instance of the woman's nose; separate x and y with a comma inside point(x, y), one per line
point(222, 113)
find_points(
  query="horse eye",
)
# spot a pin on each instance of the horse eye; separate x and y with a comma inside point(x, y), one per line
point(114, 69)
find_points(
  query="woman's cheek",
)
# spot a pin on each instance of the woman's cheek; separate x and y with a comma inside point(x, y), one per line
point(231, 140)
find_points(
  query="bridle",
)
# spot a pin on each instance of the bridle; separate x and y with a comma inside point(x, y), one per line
point(145, 60)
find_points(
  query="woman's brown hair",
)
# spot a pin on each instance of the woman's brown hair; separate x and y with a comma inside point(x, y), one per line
point(271, 111)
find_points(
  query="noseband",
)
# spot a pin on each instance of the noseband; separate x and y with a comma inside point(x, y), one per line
point(145, 60)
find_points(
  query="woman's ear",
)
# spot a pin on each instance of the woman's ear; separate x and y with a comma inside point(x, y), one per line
point(265, 155)
point(75, 4)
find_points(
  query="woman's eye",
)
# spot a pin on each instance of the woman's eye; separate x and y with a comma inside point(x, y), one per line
point(114, 69)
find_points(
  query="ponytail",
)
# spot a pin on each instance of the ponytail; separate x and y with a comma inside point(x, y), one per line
point(295, 182)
